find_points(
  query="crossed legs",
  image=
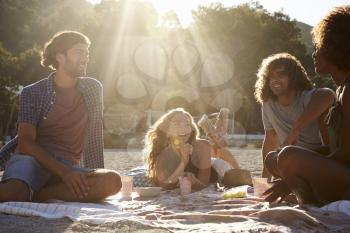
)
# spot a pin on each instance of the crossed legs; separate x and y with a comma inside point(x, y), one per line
point(312, 177)
point(103, 183)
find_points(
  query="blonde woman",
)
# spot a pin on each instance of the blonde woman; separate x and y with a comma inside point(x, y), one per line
point(174, 148)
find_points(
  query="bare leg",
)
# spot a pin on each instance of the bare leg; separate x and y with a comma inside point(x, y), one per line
point(14, 190)
point(270, 165)
point(226, 155)
point(265, 173)
point(312, 177)
point(103, 183)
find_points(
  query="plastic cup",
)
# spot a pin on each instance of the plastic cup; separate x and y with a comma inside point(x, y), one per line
point(185, 185)
point(260, 186)
point(127, 185)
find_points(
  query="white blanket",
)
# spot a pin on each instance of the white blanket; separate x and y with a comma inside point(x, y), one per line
point(84, 212)
point(203, 211)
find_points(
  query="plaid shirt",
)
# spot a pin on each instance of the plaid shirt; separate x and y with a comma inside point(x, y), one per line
point(35, 103)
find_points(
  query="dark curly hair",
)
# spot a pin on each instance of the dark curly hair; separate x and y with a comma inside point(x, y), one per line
point(298, 78)
point(60, 43)
point(332, 36)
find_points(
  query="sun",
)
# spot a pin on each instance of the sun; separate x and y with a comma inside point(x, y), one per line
point(94, 1)
point(181, 8)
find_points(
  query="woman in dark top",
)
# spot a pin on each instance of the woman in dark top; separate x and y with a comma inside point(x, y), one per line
point(313, 178)
point(173, 149)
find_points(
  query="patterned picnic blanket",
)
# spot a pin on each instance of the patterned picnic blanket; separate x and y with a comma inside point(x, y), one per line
point(203, 211)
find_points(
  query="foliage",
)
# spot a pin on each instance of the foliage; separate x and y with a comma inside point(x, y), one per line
point(248, 33)
point(324, 81)
point(8, 86)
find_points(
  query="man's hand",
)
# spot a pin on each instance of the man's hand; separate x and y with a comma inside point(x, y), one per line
point(279, 189)
point(292, 137)
point(77, 182)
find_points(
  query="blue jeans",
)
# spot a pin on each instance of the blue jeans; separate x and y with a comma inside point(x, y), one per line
point(27, 169)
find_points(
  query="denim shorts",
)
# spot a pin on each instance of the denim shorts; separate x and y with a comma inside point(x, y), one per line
point(30, 171)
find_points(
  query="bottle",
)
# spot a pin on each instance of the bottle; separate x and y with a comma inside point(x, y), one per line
point(222, 121)
point(210, 130)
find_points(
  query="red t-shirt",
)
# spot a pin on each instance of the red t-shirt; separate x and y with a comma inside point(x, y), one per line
point(63, 132)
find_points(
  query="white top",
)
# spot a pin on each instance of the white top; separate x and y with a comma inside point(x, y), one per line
point(281, 119)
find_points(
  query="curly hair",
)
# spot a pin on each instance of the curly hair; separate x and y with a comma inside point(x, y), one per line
point(156, 138)
point(298, 78)
point(332, 36)
point(60, 43)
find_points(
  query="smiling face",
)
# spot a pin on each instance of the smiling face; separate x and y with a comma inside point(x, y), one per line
point(279, 82)
point(74, 61)
point(180, 127)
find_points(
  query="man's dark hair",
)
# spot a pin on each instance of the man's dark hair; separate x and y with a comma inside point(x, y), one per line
point(332, 36)
point(296, 73)
point(60, 43)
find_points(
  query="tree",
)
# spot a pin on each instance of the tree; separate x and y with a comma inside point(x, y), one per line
point(8, 89)
point(248, 33)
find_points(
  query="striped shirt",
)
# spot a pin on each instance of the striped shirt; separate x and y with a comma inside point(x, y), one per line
point(35, 103)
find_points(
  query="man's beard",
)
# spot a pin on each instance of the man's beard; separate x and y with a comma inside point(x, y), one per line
point(75, 72)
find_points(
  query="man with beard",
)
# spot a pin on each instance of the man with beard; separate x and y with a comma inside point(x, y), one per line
point(292, 110)
point(59, 131)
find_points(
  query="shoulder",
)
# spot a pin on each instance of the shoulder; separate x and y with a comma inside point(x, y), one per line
point(323, 92)
point(318, 96)
point(35, 88)
point(165, 152)
point(167, 155)
point(91, 82)
point(319, 93)
point(267, 105)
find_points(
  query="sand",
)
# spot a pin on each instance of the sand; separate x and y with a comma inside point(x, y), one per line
point(120, 160)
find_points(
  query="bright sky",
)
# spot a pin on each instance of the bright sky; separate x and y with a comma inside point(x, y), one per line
point(307, 11)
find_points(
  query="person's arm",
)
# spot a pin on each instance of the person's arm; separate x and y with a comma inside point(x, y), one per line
point(162, 163)
point(226, 155)
point(93, 150)
point(342, 155)
point(323, 129)
point(320, 101)
point(165, 180)
point(270, 143)
point(202, 178)
point(76, 181)
point(198, 184)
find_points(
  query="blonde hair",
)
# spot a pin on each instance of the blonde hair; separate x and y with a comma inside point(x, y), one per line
point(156, 138)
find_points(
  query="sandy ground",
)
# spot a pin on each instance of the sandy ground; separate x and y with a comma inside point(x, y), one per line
point(120, 160)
